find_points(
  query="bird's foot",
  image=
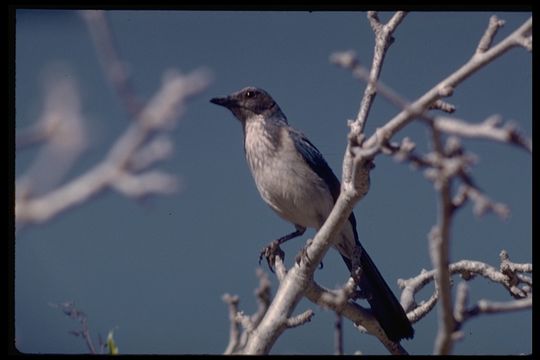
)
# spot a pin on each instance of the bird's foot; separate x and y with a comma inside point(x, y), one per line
point(304, 255)
point(270, 253)
point(359, 294)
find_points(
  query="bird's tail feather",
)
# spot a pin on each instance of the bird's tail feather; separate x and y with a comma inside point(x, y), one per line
point(384, 305)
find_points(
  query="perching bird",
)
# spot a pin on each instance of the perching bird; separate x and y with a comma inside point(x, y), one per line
point(296, 182)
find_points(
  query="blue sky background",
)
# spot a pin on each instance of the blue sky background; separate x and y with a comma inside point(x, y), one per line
point(155, 271)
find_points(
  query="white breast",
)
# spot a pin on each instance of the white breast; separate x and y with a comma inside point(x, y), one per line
point(283, 178)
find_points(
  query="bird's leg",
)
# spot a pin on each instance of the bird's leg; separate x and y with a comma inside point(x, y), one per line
point(273, 249)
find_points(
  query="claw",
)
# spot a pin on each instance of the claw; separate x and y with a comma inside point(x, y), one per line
point(303, 254)
point(270, 252)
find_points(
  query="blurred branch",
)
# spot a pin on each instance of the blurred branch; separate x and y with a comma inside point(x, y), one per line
point(60, 130)
point(124, 168)
point(300, 319)
point(34, 134)
point(115, 171)
point(462, 313)
point(488, 129)
point(109, 58)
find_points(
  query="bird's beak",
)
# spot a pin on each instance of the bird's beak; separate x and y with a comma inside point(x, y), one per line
point(231, 103)
point(227, 101)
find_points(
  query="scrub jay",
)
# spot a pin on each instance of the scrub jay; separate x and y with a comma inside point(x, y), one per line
point(296, 182)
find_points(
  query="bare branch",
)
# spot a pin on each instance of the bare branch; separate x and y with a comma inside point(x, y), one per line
point(445, 87)
point(35, 134)
point(238, 320)
point(439, 244)
point(245, 321)
point(511, 271)
point(451, 163)
point(485, 42)
point(301, 319)
point(234, 329)
point(110, 60)
point(151, 182)
point(492, 307)
point(509, 267)
point(279, 267)
point(383, 40)
point(264, 296)
point(69, 309)
point(158, 149)
point(338, 301)
point(482, 203)
point(462, 297)
point(443, 106)
point(349, 60)
point(462, 313)
point(509, 276)
point(134, 151)
point(62, 130)
point(114, 171)
point(423, 308)
point(488, 129)
point(454, 163)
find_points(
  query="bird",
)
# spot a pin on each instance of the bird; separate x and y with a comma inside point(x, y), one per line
point(294, 179)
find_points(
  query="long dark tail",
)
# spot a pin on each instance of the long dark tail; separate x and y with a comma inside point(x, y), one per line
point(384, 305)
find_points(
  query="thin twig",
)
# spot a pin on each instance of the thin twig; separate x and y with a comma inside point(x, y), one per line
point(234, 324)
point(338, 334)
point(337, 300)
point(485, 42)
point(488, 129)
point(110, 60)
point(509, 275)
point(69, 309)
point(300, 319)
point(242, 325)
point(462, 312)
point(60, 130)
point(383, 40)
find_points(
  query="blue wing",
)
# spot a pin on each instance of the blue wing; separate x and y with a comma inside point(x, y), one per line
point(384, 304)
point(316, 161)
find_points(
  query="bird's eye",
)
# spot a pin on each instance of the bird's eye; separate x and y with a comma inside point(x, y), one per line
point(250, 94)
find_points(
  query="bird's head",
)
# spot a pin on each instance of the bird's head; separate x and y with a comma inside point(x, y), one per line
point(249, 102)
